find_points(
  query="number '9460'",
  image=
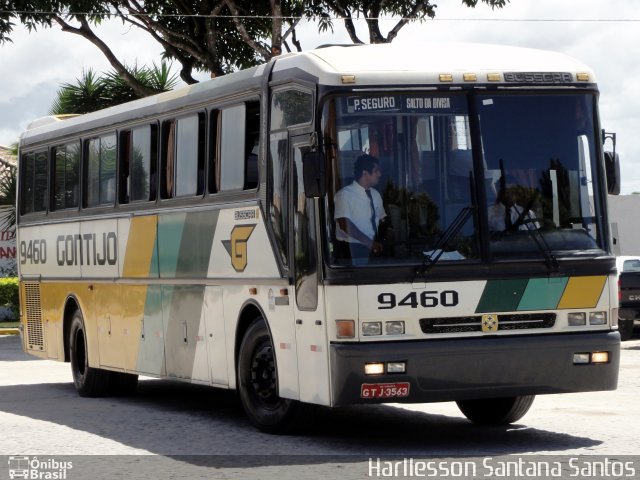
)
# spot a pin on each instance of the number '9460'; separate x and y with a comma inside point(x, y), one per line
point(424, 299)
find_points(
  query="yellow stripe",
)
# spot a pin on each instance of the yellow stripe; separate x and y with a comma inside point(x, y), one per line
point(140, 245)
point(582, 292)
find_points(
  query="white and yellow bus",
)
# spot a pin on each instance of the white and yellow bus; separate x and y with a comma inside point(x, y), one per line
point(191, 235)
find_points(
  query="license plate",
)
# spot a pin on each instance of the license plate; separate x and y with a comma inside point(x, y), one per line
point(384, 390)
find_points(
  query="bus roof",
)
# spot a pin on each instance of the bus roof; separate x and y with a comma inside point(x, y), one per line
point(424, 63)
point(392, 64)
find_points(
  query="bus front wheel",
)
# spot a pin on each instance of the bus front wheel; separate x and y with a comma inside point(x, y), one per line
point(496, 411)
point(89, 382)
point(258, 382)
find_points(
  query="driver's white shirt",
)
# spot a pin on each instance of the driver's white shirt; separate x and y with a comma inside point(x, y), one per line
point(352, 202)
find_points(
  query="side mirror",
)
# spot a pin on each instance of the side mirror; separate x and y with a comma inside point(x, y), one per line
point(313, 174)
point(612, 168)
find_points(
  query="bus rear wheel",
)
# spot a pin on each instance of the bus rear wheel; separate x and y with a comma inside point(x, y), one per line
point(496, 411)
point(89, 382)
point(258, 383)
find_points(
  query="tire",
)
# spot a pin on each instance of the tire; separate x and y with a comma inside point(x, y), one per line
point(89, 382)
point(625, 327)
point(122, 384)
point(258, 383)
point(496, 411)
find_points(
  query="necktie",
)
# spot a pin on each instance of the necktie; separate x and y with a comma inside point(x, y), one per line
point(508, 224)
point(373, 213)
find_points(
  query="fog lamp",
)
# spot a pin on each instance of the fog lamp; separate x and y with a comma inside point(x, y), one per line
point(600, 357)
point(371, 328)
point(396, 367)
point(576, 319)
point(373, 368)
point(597, 318)
point(581, 358)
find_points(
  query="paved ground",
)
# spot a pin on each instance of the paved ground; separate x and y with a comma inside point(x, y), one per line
point(41, 414)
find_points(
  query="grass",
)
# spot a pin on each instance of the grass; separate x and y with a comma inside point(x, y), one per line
point(9, 324)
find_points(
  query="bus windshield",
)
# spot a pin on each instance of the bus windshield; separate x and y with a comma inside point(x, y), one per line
point(404, 170)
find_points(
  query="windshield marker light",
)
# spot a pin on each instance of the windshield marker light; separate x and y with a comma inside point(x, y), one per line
point(469, 77)
point(582, 77)
point(348, 79)
point(493, 77)
point(446, 77)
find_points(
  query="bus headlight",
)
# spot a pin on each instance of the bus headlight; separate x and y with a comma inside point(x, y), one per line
point(576, 319)
point(395, 327)
point(597, 318)
point(371, 328)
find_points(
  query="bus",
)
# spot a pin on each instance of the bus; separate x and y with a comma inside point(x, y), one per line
point(194, 235)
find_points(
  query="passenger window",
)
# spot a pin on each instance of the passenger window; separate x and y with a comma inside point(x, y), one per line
point(183, 156)
point(138, 164)
point(34, 182)
point(214, 154)
point(100, 164)
point(239, 147)
point(65, 175)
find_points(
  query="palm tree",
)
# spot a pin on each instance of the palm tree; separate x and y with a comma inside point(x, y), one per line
point(8, 194)
point(92, 92)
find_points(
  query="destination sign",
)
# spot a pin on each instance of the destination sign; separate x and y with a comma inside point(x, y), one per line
point(407, 104)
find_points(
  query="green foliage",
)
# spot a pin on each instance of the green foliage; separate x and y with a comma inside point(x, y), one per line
point(8, 189)
point(217, 36)
point(9, 296)
point(92, 92)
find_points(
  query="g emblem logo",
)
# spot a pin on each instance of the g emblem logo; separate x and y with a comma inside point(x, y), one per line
point(489, 323)
point(236, 246)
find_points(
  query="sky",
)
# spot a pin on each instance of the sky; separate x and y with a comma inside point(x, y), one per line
point(604, 35)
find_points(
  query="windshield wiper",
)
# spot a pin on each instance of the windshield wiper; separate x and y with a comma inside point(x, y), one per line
point(536, 235)
point(449, 234)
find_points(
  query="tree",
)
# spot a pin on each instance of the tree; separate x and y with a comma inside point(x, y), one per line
point(91, 92)
point(8, 190)
point(217, 36)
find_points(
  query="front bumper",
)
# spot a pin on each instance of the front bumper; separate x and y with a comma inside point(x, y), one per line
point(472, 368)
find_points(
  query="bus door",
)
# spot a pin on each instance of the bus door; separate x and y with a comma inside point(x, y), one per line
point(308, 304)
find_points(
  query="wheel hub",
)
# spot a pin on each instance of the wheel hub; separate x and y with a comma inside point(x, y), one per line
point(263, 373)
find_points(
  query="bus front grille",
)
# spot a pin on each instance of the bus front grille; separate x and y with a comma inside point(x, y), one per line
point(510, 321)
point(34, 330)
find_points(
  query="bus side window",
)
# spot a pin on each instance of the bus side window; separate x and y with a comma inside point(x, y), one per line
point(66, 182)
point(100, 167)
point(183, 156)
point(252, 145)
point(34, 182)
point(239, 147)
point(138, 164)
point(214, 153)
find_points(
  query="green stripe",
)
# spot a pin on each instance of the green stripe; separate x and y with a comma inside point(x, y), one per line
point(543, 293)
point(501, 296)
point(195, 246)
point(170, 228)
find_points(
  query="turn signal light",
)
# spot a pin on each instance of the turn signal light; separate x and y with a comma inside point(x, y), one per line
point(345, 328)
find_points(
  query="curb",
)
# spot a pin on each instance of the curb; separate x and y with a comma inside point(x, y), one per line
point(9, 331)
